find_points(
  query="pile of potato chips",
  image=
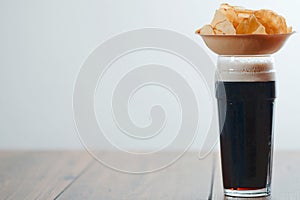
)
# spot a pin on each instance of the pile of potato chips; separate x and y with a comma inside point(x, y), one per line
point(232, 20)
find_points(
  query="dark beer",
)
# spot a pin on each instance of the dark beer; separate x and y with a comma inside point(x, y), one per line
point(245, 91)
point(246, 121)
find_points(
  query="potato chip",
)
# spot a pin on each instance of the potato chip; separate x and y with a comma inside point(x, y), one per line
point(221, 23)
point(228, 7)
point(218, 18)
point(226, 27)
point(235, 14)
point(231, 20)
point(273, 23)
point(260, 30)
point(218, 32)
point(206, 30)
point(244, 11)
point(242, 16)
point(249, 26)
point(230, 15)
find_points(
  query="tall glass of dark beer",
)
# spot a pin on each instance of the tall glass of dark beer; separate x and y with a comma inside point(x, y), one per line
point(245, 91)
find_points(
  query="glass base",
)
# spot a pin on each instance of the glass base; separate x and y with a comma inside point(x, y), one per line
point(247, 193)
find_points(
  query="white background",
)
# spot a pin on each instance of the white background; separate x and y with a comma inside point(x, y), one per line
point(44, 43)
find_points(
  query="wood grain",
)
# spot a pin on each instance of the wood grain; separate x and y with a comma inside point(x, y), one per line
point(75, 175)
point(39, 175)
point(189, 178)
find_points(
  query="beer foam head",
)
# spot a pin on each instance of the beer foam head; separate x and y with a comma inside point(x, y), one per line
point(245, 69)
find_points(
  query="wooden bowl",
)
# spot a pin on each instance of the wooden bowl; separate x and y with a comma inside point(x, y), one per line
point(245, 44)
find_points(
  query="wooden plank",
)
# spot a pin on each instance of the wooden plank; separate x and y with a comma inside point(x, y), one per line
point(39, 175)
point(285, 179)
point(74, 175)
point(188, 178)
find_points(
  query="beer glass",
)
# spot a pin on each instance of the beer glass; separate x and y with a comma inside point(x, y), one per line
point(245, 92)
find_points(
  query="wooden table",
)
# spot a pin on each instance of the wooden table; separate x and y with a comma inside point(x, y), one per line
point(76, 175)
